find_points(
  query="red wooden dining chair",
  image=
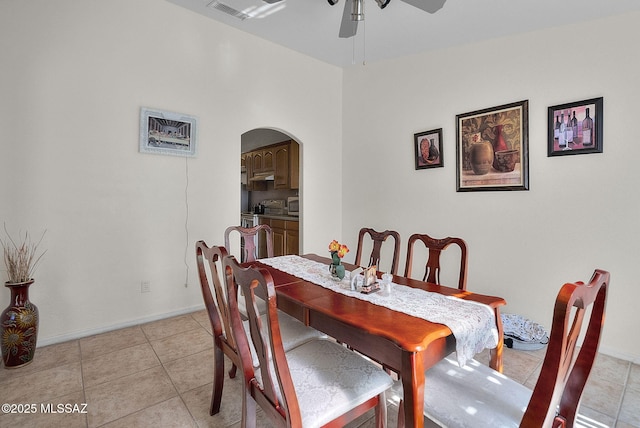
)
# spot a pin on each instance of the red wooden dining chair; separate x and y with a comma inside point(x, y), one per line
point(248, 240)
point(316, 384)
point(436, 247)
point(477, 396)
point(209, 262)
point(378, 238)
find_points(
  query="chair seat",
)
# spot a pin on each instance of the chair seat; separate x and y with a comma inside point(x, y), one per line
point(294, 333)
point(262, 307)
point(457, 396)
point(329, 379)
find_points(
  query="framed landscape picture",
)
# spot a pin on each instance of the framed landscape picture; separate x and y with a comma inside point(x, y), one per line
point(492, 148)
point(575, 128)
point(428, 148)
point(167, 133)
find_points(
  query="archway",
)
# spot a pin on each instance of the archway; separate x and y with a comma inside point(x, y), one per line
point(270, 183)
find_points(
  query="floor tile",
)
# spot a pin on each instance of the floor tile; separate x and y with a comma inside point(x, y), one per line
point(192, 371)
point(610, 368)
point(593, 419)
point(42, 386)
point(634, 377)
point(46, 358)
point(202, 318)
point(66, 411)
point(113, 400)
point(160, 374)
point(630, 409)
point(118, 364)
point(603, 395)
point(104, 343)
point(182, 344)
point(198, 401)
point(169, 327)
point(169, 413)
point(519, 365)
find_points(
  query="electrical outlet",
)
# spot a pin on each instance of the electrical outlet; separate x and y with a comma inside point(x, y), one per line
point(145, 287)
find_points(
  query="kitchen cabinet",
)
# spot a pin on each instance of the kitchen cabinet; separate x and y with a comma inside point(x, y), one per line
point(281, 159)
point(249, 161)
point(294, 165)
point(286, 237)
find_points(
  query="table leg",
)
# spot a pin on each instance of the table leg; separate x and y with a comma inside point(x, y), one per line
point(496, 353)
point(413, 389)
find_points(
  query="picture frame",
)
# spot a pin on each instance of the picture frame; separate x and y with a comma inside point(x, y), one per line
point(492, 150)
point(571, 136)
point(428, 149)
point(167, 133)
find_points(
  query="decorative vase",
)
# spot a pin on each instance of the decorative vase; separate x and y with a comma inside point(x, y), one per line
point(481, 157)
point(19, 326)
point(336, 267)
point(499, 145)
point(434, 153)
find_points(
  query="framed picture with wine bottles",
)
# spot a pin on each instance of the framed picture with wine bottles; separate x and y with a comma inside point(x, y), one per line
point(428, 147)
point(575, 128)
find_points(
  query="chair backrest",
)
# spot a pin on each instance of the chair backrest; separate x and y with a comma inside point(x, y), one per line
point(209, 261)
point(378, 239)
point(270, 384)
point(248, 241)
point(563, 377)
point(432, 267)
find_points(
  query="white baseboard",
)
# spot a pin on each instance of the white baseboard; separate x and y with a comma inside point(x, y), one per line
point(90, 332)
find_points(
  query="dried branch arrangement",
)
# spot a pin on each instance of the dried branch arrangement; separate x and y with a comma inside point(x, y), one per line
point(22, 257)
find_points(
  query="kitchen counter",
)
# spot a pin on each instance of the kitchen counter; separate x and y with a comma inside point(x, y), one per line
point(274, 216)
point(279, 217)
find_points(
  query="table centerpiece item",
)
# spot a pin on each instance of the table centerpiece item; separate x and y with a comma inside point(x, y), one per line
point(337, 251)
point(19, 321)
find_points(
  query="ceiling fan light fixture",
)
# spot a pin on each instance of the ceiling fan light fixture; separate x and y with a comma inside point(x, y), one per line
point(382, 3)
point(357, 10)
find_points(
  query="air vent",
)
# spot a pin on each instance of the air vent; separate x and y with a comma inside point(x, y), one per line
point(228, 10)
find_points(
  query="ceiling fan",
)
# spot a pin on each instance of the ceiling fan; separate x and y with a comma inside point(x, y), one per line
point(353, 12)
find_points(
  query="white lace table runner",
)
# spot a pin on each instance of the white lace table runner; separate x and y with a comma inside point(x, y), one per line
point(472, 323)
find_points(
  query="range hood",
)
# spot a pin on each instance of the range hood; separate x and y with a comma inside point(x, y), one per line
point(263, 176)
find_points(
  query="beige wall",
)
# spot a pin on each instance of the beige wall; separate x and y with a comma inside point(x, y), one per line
point(73, 76)
point(580, 213)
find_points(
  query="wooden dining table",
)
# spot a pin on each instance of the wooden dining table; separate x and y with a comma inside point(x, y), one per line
point(406, 344)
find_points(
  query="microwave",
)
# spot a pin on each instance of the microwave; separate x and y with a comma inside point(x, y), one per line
point(293, 205)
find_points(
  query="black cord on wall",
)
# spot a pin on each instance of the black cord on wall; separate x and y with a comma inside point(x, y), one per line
point(186, 220)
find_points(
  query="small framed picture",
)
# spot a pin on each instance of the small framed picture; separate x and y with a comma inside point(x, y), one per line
point(167, 133)
point(575, 128)
point(493, 148)
point(428, 147)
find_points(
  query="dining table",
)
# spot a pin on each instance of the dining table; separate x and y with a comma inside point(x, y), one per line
point(406, 344)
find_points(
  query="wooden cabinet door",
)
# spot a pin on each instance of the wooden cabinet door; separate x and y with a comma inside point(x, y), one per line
point(267, 160)
point(294, 165)
point(257, 162)
point(279, 237)
point(292, 239)
point(281, 156)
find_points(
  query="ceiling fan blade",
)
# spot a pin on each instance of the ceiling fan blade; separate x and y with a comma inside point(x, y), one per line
point(348, 27)
point(272, 1)
point(431, 6)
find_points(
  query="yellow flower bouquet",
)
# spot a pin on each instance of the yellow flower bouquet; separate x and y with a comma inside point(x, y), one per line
point(338, 251)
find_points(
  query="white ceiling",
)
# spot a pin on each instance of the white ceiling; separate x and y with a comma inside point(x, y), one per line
point(311, 26)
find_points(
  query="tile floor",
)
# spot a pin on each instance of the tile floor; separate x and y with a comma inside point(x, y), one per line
point(160, 375)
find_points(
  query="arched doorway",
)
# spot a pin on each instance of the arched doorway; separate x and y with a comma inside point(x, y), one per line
point(270, 184)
